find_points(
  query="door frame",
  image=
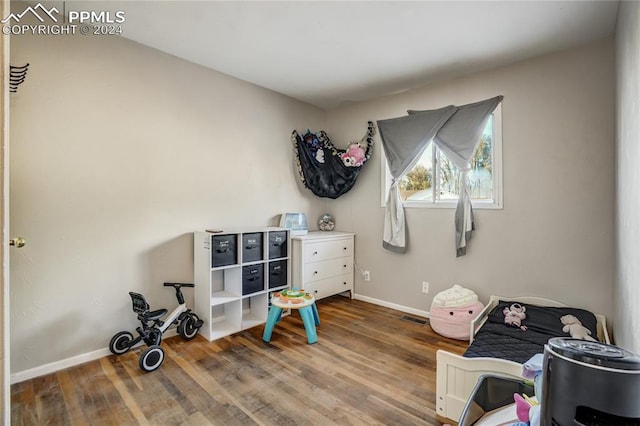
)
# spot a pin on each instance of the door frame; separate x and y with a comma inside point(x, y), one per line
point(5, 371)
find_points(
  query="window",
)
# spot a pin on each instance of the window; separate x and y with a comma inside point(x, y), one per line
point(435, 181)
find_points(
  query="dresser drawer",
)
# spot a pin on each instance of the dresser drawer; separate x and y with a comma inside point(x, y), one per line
point(330, 286)
point(327, 268)
point(323, 250)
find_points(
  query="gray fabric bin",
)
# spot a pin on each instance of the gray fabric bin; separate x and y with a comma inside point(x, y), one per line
point(277, 244)
point(224, 250)
point(252, 278)
point(251, 247)
point(277, 273)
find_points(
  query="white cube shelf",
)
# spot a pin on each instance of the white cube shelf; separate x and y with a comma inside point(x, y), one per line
point(235, 271)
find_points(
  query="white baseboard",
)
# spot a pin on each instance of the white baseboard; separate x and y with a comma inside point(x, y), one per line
point(386, 304)
point(52, 367)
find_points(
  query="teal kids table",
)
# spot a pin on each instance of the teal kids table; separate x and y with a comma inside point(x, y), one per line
point(305, 303)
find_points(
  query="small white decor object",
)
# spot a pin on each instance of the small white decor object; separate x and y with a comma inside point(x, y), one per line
point(326, 222)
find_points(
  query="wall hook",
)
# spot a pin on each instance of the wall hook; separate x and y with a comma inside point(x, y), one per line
point(17, 76)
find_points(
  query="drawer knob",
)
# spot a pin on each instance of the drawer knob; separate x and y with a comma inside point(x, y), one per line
point(315, 272)
point(314, 253)
point(344, 248)
point(344, 266)
point(315, 291)
point(345, 283)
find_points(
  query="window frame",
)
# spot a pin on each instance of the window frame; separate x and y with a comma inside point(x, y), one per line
point(495, 204)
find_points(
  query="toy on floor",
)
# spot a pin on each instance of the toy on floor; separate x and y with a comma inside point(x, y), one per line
point(152, 328)
point(452, 311)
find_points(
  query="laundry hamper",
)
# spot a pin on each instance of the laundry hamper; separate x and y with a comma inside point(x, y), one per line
point(452, 311)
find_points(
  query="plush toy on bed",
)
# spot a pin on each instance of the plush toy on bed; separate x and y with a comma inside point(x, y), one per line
point(514, 315)
point(574, 327)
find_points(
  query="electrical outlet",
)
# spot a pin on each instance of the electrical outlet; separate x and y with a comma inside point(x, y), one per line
point(425, 287)
point(366, 275)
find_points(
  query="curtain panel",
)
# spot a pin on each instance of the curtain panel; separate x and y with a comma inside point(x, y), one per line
point(456, 131)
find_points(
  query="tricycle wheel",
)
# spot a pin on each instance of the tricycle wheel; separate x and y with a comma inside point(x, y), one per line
point(188, 327)
point(121, 342)
point(151, 359)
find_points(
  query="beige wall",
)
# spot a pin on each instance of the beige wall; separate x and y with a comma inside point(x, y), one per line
point(555, 235)
point(627, 330)
point(118, 153)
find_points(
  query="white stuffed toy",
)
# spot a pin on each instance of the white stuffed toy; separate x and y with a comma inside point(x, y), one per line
point(574, 327)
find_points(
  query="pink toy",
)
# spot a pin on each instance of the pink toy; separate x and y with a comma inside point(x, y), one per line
point(354, 156)
point(522, 408)
point(454, 322)
point(514, 315)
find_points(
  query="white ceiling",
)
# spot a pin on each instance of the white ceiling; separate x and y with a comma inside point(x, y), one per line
point(330, 52)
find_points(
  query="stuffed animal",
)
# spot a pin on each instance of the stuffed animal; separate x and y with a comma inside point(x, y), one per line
point(514, 315)
point(528, 409)
point(574, 327)
point(354, 156)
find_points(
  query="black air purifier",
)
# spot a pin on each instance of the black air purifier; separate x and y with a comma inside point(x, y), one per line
point(589, 383)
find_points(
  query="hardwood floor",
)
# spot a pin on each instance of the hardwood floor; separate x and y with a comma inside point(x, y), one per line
point(369, 366)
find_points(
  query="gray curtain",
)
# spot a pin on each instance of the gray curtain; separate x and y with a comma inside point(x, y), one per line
point(409, 137)
point(456, 131)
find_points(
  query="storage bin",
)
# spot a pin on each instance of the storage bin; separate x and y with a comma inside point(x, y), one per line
point(252, 278)
point(223, 250)
point(277, 273)
point(277, 244)
point(252, 247)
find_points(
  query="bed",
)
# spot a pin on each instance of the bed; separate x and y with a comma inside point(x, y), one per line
point(457, 375)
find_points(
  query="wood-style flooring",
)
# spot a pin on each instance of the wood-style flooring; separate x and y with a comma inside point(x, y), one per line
point(370, 366)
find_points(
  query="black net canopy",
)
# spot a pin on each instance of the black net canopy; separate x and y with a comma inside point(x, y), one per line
point(327, 171)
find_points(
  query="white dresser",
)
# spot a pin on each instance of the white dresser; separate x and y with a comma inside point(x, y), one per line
point(322, 263)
